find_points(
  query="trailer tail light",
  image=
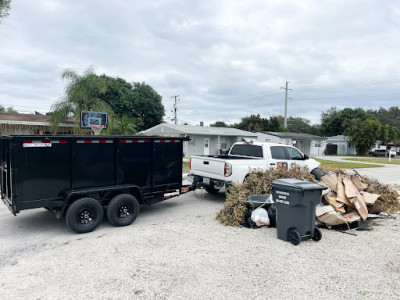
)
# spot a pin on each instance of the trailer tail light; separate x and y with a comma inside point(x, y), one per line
point(227, 170)
point(190, 164)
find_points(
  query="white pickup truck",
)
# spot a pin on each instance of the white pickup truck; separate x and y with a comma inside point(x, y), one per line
point(216, 173)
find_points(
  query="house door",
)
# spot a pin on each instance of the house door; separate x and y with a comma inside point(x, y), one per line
point(206, 146)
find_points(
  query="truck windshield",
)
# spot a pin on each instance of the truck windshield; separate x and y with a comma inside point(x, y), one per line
point(247, 150)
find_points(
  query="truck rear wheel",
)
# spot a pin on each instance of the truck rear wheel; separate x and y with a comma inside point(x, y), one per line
point(84, 215)
point(123, 210)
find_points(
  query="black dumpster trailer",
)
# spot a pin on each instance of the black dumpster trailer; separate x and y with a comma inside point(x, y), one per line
point(76, 176)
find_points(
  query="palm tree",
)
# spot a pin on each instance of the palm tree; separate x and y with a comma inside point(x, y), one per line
point(126, 125)
point(81, 93)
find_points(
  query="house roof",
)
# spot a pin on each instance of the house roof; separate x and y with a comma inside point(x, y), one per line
point(199, 130)
point(293, 135)
point(29, 119)
point(338, 138)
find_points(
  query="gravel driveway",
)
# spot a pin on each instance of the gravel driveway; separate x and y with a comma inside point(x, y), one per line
point(177, 250)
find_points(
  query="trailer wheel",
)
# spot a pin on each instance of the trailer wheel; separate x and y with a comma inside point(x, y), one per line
point(123, 210)
point(84, 215)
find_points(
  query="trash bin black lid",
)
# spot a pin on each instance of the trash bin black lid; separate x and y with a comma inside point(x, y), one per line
point(296, 185)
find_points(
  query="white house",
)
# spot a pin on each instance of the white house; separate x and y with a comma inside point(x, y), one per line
point(340, 145)
point(204, 140)
point(15, 123)
point(309, 144)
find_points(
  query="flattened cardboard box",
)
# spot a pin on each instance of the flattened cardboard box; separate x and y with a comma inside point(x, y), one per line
point(360, 205)
point(357, 182)
point(331, 180)
point(369, 198)
point(332, 200)
point(327, 215)
point(341, 195)
point(349, 188)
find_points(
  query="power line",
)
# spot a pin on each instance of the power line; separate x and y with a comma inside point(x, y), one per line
point(344, 97)
point(309, 88)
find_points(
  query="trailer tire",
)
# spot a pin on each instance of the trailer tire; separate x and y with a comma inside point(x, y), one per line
point(84, 215)
point(123, 210)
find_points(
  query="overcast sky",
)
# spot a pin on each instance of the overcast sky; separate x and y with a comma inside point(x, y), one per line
point(225, 59)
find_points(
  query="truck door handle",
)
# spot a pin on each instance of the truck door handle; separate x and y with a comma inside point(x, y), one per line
point(272, 164)
point(206, 162)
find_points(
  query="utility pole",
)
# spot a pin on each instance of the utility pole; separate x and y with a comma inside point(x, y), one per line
point(175, 108)
point(286, 90)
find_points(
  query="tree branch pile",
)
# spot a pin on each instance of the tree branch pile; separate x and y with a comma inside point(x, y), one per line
point(259, 182)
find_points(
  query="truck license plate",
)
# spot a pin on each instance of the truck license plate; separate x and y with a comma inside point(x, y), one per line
point(206, 180)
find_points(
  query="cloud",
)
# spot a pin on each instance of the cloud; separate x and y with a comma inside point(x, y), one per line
point(226, 59)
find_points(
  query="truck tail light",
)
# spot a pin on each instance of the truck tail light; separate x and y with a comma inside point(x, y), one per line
point(190, 164)
point(227, 170)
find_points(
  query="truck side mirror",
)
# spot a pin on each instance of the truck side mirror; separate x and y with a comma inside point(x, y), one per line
point(305, 157)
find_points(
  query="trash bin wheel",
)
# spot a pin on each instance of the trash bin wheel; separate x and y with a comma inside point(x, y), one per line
point(294, 237)
point(317, 235)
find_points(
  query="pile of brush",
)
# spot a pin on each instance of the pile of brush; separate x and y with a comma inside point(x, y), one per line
point(259, 182)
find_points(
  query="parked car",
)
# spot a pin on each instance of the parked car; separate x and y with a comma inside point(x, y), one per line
point(384, 152)
point(393, 152)
point(379, 152)
point(397, 151)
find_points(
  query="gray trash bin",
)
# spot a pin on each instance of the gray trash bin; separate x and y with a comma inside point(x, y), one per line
point(295, 209)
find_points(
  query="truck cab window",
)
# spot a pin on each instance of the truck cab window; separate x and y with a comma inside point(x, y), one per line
point(247, 150)
point(294, 154)
point(278, 152)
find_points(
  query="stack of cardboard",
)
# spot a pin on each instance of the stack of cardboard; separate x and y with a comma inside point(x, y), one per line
point(346, 200)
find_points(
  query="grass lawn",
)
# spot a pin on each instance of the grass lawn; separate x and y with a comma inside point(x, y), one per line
point(185, 167)
point(345, 165)
point(383, 160)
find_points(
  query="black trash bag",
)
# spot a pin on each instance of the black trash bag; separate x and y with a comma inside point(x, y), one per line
point(248, 222)
point(318, 173)
point(272, 215)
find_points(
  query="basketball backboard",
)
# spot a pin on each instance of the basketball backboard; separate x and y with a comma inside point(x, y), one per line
point(89, 118)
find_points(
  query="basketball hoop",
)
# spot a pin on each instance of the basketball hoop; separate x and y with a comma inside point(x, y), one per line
point(96, 129)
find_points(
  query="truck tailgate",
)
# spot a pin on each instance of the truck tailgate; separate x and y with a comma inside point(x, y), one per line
point(206, 166)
